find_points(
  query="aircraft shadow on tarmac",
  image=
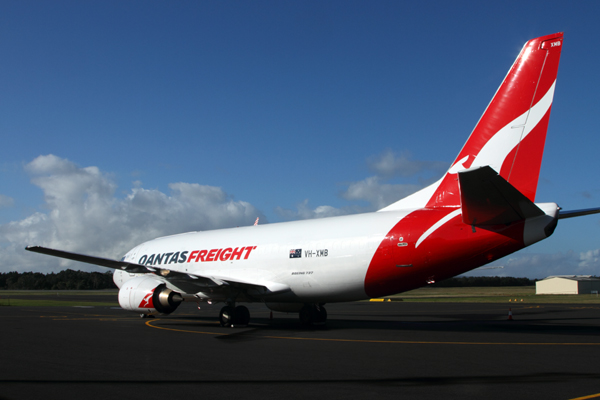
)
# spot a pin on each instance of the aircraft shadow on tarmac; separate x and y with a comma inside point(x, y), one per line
point(392, 381)
point(567, 327)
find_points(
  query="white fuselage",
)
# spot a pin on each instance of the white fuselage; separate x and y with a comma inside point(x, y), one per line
point(319, 260)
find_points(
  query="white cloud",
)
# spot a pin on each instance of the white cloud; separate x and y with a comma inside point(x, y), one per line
point(589, 261)
point(373, 190)
point(370, 190)
point(542, 265)
point(6, 201)
point(83, 215)
point(388, 164)
point(303, 211)
point(377, 193)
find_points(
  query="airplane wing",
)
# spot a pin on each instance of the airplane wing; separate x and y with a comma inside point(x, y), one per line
point(103, 262)
point(190, 282)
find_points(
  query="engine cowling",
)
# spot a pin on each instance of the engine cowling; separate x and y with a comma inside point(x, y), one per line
point(147, 295)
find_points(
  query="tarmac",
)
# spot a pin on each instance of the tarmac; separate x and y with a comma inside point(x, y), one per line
point(366, 350)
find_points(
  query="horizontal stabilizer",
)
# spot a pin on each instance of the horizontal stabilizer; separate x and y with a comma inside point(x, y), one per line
point(577, 213)
point(488, 199)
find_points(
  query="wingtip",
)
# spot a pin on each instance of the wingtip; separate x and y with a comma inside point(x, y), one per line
point(34, 247)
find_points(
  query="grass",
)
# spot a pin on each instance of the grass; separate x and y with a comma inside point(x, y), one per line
point(54, 303)
point(509, 294)
point(59, 293)
point(58, 298)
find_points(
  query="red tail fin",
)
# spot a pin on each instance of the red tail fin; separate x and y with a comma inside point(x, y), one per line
point(511, 133)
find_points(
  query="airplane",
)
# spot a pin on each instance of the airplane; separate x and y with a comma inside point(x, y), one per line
point(482, 209)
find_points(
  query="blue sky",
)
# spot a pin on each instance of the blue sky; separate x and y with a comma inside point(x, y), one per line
point(124, 120)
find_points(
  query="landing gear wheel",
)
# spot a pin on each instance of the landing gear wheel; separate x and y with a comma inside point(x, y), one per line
point(312, 314)
point(226, 316)
point(320, 315)
point(306, 316)
point(241, 315)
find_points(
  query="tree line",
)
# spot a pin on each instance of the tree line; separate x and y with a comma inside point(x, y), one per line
point(63, 280)
point(485, 281)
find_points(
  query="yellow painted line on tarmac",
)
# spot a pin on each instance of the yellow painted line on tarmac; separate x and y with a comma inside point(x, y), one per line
point(151, 325)
point(96, 319)
point(591, 396)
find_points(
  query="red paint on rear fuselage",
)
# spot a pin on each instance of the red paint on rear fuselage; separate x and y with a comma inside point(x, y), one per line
point(452, 249)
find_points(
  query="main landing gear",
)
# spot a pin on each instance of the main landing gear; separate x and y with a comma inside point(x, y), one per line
point(313, 314)
point(310, 315)
point(231, 316)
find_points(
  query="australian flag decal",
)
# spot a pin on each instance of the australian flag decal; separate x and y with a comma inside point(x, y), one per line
point(296, 253)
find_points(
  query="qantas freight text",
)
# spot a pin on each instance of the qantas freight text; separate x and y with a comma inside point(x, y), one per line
point(179, 257)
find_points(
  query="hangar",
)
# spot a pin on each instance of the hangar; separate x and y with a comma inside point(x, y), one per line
point(568, 284)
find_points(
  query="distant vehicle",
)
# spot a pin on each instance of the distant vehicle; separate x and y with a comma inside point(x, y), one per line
point(482, 209)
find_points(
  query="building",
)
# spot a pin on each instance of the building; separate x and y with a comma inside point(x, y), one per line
point(568, 284)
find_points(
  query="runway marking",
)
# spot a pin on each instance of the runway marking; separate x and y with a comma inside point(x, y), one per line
point(591, 396)
point(151, 325)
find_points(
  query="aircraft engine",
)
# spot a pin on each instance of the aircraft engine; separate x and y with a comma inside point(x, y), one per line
point(148, 295)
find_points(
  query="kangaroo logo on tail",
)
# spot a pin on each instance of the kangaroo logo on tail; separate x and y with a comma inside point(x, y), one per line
point(511, 133)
